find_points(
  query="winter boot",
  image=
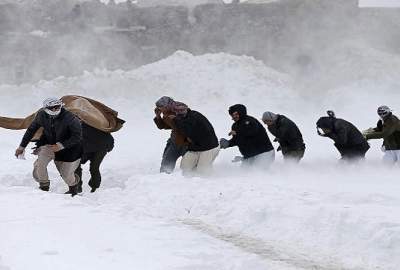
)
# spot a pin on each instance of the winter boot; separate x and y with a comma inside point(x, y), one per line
point(93, 189)
point(73, 190)
point(44, 186)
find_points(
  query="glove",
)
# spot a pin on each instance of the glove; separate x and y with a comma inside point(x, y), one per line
point(224, 143)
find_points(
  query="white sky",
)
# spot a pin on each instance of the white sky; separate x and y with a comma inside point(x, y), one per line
point(379, 3)
point(225, 1)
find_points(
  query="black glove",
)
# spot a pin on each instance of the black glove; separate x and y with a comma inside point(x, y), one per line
point(224, 143)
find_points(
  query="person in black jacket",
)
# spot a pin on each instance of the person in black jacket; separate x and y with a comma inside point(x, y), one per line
point(96, 144)
point(203, 145)
point(287, 134)
point(349, 141)
point(60, 141)
point(251, 138)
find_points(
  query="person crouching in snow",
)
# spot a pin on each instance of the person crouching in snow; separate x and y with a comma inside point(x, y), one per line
point(203, 145)
point(287, 134)
point(388, 129)
point(176, 145)
point(61, 141)
point(349, 141)
point(251, 138)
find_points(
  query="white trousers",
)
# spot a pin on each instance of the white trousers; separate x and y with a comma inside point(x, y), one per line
point(198, 162)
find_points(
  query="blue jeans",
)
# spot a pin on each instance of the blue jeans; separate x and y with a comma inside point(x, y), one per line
point(171, 154)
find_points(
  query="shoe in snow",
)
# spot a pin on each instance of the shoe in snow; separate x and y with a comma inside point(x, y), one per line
point(44, 187)
point(73, 190)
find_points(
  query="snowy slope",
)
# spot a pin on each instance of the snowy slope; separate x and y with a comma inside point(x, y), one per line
point(321, 215)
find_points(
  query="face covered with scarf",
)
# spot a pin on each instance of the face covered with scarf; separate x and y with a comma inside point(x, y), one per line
point(52, 106)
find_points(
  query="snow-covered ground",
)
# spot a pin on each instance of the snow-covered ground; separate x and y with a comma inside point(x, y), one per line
point(319, 215)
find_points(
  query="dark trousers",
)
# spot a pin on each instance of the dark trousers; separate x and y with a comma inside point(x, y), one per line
point(352, 153)
point(294, 156)
point(95, 159)
point(171, 154)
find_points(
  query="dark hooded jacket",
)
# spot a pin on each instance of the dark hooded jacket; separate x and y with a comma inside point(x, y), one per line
point(65, 128)
point(251, 137)
point(288, 134)
point(197, 129)
point(348, 139)
point(389, 130)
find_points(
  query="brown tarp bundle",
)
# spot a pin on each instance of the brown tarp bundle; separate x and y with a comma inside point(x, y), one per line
point(90, 111)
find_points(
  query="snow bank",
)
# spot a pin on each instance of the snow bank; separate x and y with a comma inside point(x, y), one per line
point(321, 215)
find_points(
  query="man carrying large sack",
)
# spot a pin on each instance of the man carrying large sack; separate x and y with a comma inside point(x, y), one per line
point(97, 121)
point(60, 141)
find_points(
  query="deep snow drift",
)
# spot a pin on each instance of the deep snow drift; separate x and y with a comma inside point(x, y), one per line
point(320, 215)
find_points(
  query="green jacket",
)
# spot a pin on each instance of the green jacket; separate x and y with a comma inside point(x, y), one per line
point(390, 132)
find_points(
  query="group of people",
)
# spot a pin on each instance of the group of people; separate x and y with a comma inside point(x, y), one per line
point(193, 137)
point(71, 142)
